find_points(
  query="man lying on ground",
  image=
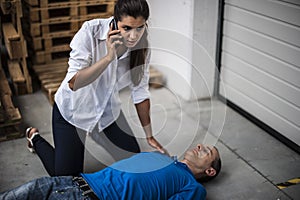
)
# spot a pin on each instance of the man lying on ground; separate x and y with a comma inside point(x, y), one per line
point(147, 175)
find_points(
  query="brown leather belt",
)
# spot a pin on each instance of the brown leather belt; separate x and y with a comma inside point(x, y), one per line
point(84, 187)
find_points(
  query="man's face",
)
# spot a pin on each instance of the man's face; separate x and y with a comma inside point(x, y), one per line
point(201, 157)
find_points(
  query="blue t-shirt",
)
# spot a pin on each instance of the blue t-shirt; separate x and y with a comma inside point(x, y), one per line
point(148, 175)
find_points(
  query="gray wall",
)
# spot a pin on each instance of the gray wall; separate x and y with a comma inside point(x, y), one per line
point(183, 35)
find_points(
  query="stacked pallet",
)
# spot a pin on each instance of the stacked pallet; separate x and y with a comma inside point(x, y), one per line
point(50, 27)
point(10, 116)
point(15, 45)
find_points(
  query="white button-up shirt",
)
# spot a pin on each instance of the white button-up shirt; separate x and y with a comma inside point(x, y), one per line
point(97, 103)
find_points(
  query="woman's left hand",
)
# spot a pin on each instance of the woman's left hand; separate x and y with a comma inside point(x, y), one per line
point(155, 144)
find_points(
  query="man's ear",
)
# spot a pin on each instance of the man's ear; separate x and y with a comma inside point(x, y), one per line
point(210, 171)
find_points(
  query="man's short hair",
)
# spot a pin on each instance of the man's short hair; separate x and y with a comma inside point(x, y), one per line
point(216, 164)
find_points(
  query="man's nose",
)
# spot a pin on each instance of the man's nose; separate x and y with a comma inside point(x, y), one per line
point(199, 146)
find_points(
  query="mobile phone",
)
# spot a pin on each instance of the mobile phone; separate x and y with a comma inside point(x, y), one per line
point(115, 27)
point(114, 24)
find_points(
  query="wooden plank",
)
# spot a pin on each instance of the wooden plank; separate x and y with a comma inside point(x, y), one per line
point(57, 79)
point(2, 114)
point(98, 8)
point(43, 57)
point(10, 132)
point(7, 7)
point(51, 75)
point(37, 43)
point(48, 15)
point(47, 43)
point(71, 26)
point(11, 7)
point(54, 29)
point(4, 86)
point(54, 3)
point(32, 2)
point(12, 113)
point(18, 79)
point(55, 44)
point(9, 32)
point(15, 72)
point(13, 42)
point(51, 67)
point(50, 90)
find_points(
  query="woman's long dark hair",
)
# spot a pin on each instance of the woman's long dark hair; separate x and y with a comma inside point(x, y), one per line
point(135, 8)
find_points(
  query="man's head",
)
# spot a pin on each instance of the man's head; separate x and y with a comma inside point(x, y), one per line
point(204, 161)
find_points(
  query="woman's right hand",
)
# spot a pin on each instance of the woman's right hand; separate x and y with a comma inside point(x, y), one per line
point(114, 39)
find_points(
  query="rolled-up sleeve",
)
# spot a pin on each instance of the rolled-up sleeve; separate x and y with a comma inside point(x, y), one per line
point(81, 48)
point(141, 91)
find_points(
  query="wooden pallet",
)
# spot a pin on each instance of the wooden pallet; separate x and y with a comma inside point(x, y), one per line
point(10, 116)
point(47, 57)
point(13, 41)
point(51, 76)
point(54, 29)
point(48, 43)
point(49, 3)
point(13, 38)
point(62, 3)
point(50, 15)
point(96, 9)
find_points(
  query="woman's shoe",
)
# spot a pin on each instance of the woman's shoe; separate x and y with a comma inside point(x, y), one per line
point(29, 139)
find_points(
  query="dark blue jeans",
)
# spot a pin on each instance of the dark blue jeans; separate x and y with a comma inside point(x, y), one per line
point(46, 188)
point(67, 158)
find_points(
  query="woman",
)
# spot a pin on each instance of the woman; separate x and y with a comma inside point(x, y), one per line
point(101, 63)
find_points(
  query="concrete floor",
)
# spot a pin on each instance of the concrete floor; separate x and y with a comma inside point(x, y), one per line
point(253, 161)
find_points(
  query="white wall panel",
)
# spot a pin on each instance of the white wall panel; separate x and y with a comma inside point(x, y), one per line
point(282, 70)
point(260, 65)
point(266, 44)
point(278, 10)
point(265, 25)
point(262, 113)
point(262, 96)
point(264, 80)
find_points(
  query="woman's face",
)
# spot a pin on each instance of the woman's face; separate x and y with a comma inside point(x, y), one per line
point(131, 29)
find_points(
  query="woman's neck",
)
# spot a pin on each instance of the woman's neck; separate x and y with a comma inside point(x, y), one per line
point(121, 50)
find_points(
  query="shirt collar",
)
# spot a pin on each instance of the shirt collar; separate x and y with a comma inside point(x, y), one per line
point(103, 29)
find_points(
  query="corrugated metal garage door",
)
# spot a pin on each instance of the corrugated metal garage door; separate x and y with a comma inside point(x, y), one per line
point(260, 66)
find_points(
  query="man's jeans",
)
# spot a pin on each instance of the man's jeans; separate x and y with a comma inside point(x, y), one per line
point(46, 188)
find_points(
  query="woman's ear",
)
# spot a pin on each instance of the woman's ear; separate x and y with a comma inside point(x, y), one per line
point(210, 171)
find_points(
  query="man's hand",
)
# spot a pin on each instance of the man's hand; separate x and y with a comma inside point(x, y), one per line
point(155, 144)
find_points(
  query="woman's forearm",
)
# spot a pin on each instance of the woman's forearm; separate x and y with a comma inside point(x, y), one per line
point(143, 110)
point(88, 74)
